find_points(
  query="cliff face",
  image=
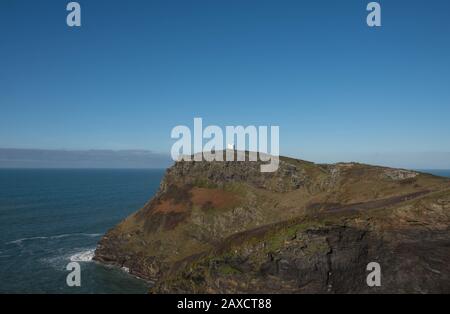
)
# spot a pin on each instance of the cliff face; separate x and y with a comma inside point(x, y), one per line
point(227, 227)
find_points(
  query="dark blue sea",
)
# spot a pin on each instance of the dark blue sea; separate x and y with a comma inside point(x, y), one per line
point(441, 173)
point(51, 217)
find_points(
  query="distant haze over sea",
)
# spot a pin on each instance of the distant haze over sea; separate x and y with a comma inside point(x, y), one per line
point(41, 158)
point(146, 159)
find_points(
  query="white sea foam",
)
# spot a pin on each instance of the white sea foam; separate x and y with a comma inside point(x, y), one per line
point(61, 257)
point(84, 256)
point(58, 236)
point(19, 241)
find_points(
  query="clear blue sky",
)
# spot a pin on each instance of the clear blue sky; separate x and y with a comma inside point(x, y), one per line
point(135, 69)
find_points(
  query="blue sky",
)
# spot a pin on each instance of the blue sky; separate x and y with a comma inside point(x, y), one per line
point(135, 69)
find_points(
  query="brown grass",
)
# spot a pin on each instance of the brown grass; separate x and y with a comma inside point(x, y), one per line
point(213, 198)
point(169, 206)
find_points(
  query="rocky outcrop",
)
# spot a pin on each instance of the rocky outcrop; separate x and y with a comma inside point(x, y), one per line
point(318, 259)
point(226, 227)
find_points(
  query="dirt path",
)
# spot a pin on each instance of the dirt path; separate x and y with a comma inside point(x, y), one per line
point(380, 203)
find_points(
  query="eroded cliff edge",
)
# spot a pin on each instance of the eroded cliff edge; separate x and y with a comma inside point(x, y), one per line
point(227, 227)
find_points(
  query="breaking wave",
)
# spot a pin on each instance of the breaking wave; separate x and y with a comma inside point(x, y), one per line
point(84, 256)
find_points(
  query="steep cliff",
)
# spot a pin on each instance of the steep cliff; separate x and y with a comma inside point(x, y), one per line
point(227, 227)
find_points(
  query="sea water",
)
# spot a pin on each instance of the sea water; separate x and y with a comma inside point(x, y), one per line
point(49, 218)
